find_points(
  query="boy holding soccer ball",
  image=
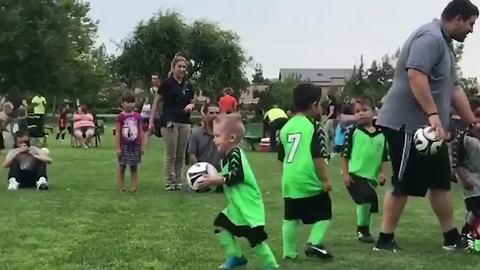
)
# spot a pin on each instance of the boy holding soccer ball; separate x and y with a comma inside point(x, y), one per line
point(305, 182)
point(364, 164)
point(245, 214)
point(466, 162)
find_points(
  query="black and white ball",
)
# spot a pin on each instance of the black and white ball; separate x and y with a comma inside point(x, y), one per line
point(196, 173)
point(426, 141)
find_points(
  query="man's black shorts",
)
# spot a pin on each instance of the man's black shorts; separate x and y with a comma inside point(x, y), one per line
point(310, 210)
point(255, 236)
point(362, 191)
point(413, 173)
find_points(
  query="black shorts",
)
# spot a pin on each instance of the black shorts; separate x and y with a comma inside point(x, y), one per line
point(255, 236)
point(413, 173)
point(362, 192)
point(473, 205)
point(310, 210)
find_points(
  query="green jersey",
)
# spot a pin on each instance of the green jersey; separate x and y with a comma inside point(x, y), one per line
point(365, 152)
point(245, 203)
point(301, 142)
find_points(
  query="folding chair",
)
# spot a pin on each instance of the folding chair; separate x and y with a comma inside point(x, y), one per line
point(36, 131)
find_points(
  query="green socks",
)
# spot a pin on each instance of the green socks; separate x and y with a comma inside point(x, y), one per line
point(289, 229)
point(265, 254)
point(363, 215)
point(229, 244)
point(319, 230)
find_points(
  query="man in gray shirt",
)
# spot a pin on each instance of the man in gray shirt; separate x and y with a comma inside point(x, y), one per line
point(424, 88)
point(201, 147)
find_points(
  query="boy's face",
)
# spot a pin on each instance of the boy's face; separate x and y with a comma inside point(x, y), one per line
point(22, 141)
point(364, 113)
point(223, 140)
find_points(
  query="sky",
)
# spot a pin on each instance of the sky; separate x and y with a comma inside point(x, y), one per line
point(294, 34)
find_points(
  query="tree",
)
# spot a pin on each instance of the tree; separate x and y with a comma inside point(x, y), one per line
point(258, 75)
point(216, 58)
point(469, 85)
point(44, 45)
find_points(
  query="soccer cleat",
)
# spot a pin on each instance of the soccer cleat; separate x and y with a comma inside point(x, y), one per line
point(170, 188)
point(290, 257)
point(12, 184)
point(365, 238)
point(318, 251)
point(462, 244)
point(42, 184)
point(389, 246)
point(234, 262)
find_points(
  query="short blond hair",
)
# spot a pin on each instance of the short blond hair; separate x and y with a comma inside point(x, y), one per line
point(232, 123)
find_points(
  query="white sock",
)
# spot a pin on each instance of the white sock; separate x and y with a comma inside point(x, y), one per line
point(12, 179)
point(42, 179)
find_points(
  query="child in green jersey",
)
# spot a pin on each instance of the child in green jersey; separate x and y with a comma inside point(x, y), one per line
point(365, 159)
point(305, 183)
point(245, 214)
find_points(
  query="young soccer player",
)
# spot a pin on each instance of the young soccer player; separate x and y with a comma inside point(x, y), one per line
point(245, 214)
point(129, 141)
point(365, 159)
point(466, 162)
point(305, 182)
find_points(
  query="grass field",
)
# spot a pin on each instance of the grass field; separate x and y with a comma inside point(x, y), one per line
point(84, 223)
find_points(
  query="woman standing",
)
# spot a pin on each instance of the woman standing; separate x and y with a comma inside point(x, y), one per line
point(145, 112)
point(331, 123)
point(177, 96)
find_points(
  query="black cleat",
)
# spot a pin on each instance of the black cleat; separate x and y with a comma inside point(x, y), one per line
point(365, 238)
point(388, 246)
point(318, 251)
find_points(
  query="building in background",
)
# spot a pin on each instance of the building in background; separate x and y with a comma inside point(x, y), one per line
point(330, 79)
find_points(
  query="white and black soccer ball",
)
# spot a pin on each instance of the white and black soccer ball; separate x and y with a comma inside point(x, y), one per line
point(196, 172)
point(45, 151)
point(426, 141)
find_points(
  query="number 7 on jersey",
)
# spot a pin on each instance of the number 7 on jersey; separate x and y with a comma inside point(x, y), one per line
point(293, 139)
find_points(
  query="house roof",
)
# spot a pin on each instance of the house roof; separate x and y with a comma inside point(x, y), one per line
point(317, 74)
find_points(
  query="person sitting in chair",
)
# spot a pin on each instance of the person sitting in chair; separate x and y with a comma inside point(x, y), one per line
point(27, 165)
point(83, 126)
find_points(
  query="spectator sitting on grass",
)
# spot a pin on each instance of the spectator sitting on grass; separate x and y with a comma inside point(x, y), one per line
point(27, 165)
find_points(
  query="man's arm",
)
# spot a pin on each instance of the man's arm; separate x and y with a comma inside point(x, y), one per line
point(462, 106)
point(11, 155)
point(155, 106)
point(43, 158)
point(424, 54)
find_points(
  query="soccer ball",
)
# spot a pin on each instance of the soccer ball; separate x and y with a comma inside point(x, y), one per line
point(195, 175)
point(426, 141)
point(45, 151)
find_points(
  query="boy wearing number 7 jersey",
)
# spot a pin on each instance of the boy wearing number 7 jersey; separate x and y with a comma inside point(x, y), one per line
point(305, 182)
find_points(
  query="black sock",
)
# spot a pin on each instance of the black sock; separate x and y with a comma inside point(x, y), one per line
point(63, 136)
point(467, 228)
point(451, 237)
point(385, 238)
point(365, 230)
point(58, 136)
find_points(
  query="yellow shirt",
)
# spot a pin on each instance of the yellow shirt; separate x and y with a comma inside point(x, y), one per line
point(275, 113)
point(40, 107)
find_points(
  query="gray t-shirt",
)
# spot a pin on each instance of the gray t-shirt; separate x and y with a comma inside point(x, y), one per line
point(26, 159)
point(202, 146)
point(466, 153)
point(429, 51)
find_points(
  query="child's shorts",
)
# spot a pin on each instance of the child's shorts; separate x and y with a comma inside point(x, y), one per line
point(255, 236)
point(362, 191)
point(131, 154)
point(473, 204)
point(310, 210)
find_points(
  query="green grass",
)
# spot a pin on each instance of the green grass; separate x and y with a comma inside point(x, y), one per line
point(84, 223)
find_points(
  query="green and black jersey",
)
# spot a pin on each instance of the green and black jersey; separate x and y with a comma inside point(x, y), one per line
point(365, 152)
point(302, 140)
point(245, 203)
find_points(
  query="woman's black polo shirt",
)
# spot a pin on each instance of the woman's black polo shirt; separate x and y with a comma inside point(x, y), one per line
point(175, 97)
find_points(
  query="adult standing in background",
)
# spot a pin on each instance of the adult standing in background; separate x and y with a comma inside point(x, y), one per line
point(145, 112)
point(275, 119)
point(39, 104)
point(331, 123)
point(156, 82)
point(228, 103)
point(424, 88)
point(177, 95)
